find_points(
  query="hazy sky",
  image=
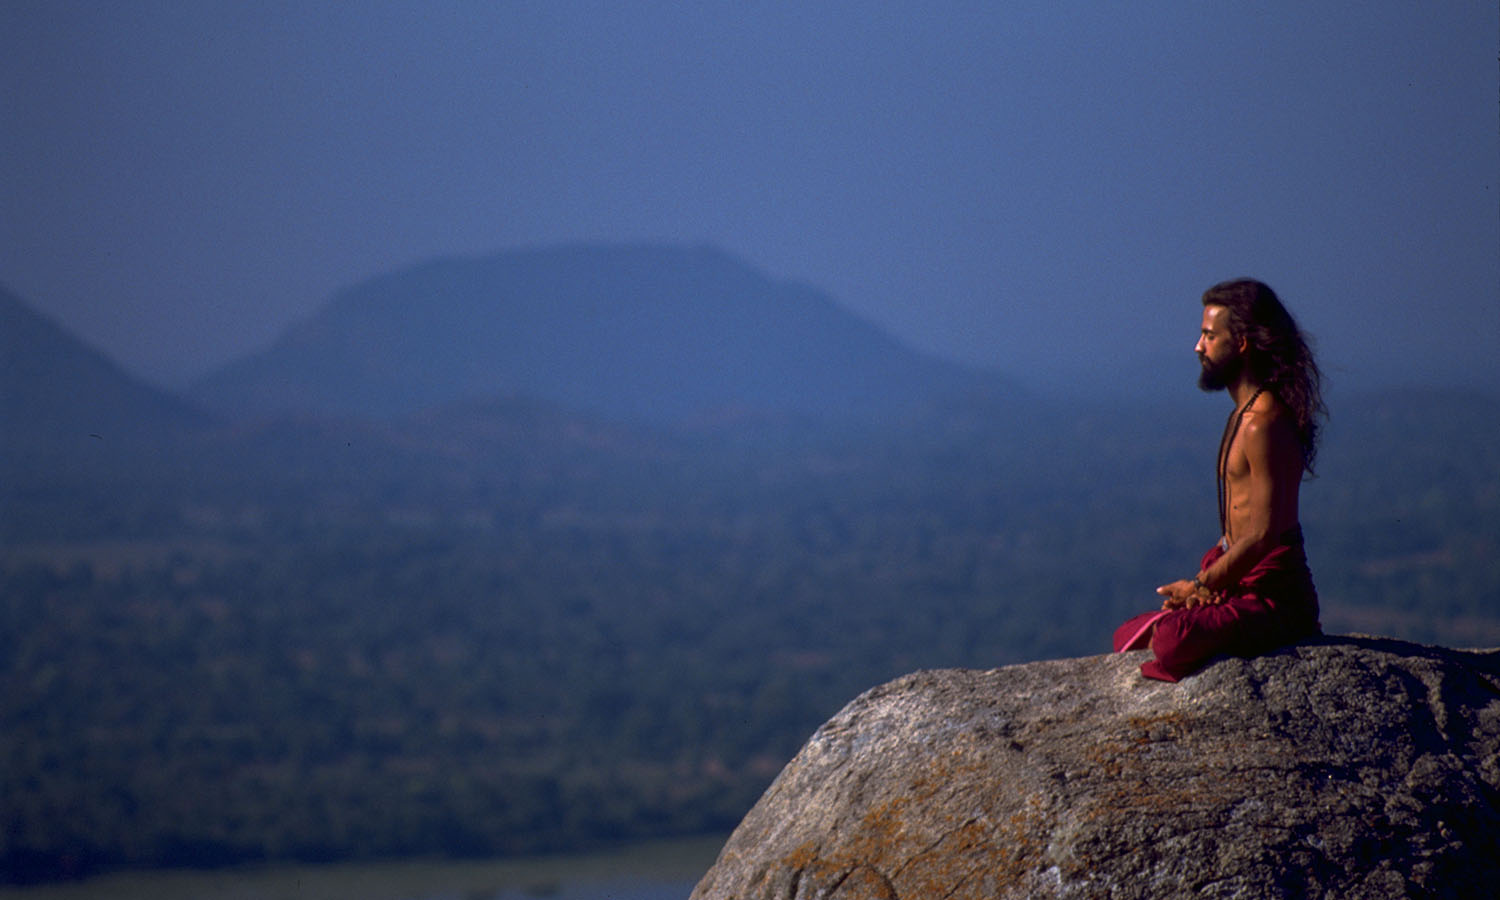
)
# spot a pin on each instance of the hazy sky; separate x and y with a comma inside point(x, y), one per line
point(1043, 187)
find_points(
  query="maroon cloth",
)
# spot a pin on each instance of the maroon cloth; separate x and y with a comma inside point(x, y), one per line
point(1275, 604)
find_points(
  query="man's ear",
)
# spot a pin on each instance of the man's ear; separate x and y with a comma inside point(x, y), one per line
point(1244, 345)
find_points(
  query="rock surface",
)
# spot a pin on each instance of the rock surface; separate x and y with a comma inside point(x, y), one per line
point(1350, 767)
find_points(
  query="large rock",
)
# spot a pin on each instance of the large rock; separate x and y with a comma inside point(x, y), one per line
point(1351, 767)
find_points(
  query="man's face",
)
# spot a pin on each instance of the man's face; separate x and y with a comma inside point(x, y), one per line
point(1217, 350)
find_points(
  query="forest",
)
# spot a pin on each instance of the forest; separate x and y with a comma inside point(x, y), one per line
point(315, 642)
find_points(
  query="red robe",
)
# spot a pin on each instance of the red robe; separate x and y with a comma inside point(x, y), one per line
point(1273, 605)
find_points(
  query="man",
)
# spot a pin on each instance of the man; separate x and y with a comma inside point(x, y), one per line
point(1253, 591)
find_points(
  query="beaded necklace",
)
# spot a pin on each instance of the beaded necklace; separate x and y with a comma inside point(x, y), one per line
point(1231, 430)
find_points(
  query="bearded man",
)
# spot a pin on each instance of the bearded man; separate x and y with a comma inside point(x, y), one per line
point(1253, 591)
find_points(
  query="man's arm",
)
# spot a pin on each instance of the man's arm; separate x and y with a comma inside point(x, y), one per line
point(1263, 500)
point(1264, 481)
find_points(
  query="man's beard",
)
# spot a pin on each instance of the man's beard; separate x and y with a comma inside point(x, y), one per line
point(1218, 376)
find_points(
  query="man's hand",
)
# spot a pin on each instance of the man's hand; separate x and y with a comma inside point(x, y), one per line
point(1186, 595)
point(1179, 594)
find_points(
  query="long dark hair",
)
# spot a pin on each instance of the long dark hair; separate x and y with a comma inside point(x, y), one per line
point(1278, 355)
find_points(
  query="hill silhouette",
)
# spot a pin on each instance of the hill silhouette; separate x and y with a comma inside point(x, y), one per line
point(62, 401)
point(662, 333)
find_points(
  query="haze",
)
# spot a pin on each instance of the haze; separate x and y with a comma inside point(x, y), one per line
point(1038, 187)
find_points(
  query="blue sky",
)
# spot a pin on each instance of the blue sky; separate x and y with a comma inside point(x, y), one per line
point(1041, 187)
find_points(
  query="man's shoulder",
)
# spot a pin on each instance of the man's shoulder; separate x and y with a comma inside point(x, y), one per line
point(1268, 409)
point(1271, 423)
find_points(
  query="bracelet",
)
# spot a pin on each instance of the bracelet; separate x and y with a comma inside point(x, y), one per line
point(1212, 596)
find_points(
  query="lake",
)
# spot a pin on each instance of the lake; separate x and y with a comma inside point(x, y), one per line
point(660, 870)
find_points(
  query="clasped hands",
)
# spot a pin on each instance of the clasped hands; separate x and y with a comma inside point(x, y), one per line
point(1187, 594)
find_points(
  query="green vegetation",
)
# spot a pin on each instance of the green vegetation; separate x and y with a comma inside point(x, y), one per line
point(560, 642)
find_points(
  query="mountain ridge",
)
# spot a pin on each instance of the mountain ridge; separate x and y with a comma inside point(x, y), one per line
point(642, 331)
point(61, 399)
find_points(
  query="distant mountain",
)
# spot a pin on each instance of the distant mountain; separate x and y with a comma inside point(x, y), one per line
point(59, 397)
point(661, 333)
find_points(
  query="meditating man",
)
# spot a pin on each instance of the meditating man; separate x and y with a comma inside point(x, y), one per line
point(1253, 592)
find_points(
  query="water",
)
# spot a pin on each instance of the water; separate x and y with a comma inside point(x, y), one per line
point(663, 870)
point(624, 890)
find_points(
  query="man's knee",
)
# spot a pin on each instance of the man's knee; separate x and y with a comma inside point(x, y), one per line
point(1176, 642)
point(1184, 640)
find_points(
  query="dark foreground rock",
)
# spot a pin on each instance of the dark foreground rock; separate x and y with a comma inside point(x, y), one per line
point(1353, 767)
